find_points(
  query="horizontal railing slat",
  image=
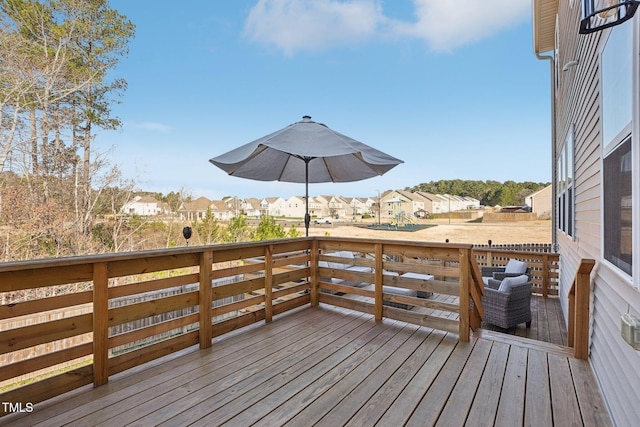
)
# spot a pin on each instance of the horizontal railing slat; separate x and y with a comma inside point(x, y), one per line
point(45, 304)
point(152, 285)
point(141, 310)
point(138, 357)
point(152, 330)
point(47, 360)
point(18, 280)
point(29, 336)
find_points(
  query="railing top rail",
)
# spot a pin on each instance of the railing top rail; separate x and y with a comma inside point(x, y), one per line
point(514, 251)
point(585, 267)
point(123, 256)
point(396, 242)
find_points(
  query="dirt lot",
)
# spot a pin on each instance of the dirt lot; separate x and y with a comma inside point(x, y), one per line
point(458, 231)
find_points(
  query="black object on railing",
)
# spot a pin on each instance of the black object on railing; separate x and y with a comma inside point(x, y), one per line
point(186, 232)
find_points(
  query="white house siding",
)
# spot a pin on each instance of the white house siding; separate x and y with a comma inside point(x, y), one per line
point(615, 363)
point(541, 202)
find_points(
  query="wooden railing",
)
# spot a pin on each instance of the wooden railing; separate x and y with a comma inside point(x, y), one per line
point(544, 266)
point(578, 330)
point(70, 322)
point(447, 273)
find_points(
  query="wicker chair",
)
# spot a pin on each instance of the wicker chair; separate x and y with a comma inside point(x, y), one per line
point(508, 308)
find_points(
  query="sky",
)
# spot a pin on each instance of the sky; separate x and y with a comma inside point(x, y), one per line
point(452, 88)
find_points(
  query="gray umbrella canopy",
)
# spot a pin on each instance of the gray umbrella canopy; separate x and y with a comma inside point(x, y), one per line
point(308, 152)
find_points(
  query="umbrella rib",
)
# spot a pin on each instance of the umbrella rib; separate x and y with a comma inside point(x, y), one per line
point(305, 159)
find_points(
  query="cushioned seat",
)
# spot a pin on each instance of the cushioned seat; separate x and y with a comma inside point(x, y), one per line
point(393, 290)
point(420, 294)
point(347, 265)
point(507, 303)
point(512, 269)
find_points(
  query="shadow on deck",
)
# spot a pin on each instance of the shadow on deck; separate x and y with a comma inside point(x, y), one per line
point(332, 366)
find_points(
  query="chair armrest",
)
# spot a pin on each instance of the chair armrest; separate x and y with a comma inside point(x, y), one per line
point(493, 284)
point(501, 275)
point(488, 271)
point(521, 291)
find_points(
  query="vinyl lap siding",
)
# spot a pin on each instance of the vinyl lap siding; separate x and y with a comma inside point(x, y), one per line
point(616, 364)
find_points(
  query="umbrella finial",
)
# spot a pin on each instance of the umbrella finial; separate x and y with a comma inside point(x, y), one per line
point(306, 118)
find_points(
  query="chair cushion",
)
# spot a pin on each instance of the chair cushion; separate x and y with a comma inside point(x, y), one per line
point(515, 267)
point(348, 255)
point(508, 282)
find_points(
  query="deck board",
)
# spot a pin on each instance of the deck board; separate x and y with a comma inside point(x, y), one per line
point(513, 389)
point(485, 405)
point(547, 322)
point(331, 366)
point(538, 398)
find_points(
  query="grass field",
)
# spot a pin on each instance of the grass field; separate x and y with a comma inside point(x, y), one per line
point(458, 231)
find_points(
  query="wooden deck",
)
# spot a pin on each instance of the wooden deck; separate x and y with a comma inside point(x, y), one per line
point(547, 322)
point(330, 366)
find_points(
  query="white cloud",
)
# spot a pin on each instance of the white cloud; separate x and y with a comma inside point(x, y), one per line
point(153, 126)
point(308, 25)
point(445, 25)
point(296, 25)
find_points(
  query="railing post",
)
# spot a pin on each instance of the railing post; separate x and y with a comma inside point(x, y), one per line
point(268, 284)
point(572, 316)
point(477, 290)
point(378, 277)
point(545, 275)
point(100, 323)
point(315, 292)
point(463, 331)
point(581, 323)
point(205, 291)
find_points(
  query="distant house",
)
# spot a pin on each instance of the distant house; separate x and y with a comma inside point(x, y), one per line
point(222, 211)
point(315, 207)
point(461, 203)
point(359, 205)
point(251, 207)
point(540, 202)
point(145, 206)
point(272, 206)
point(435, 203)
point(194, 210)
point(397, 203)
point(294, 207)
point(197, 209)
point(332, 206)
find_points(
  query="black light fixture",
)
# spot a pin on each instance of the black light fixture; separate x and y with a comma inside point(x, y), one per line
point(600, 14)
point(186, 232)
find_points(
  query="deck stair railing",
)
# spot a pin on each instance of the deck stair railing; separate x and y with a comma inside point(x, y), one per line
point(71, 322)
point(579, 295)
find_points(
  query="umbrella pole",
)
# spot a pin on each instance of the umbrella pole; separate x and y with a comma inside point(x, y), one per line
point(307, 218)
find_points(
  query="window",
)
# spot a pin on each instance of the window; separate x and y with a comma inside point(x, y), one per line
point(618, 148)
point(617, 179)
point(565, 186)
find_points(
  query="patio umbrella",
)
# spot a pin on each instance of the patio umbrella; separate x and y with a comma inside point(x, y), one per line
point(305, 151)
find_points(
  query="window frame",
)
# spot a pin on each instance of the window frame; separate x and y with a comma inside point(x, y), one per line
point(630, 130)
point(565, 186)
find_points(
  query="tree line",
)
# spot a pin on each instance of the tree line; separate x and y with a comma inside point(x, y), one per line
point(490, 193)
point(57, 87)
